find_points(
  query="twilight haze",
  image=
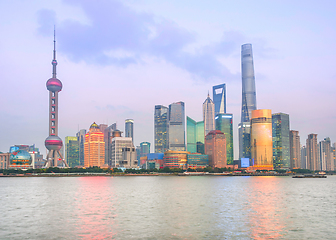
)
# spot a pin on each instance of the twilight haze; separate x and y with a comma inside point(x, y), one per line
point(118, 59)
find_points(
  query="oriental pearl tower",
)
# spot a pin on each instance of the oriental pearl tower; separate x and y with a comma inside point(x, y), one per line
point(53, 143)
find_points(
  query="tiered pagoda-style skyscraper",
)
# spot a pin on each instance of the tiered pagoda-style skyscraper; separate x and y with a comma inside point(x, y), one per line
point(54, 143)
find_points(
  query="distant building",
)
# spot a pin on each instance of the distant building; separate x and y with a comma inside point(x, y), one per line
point(312, 153)
point(176, 127)
point(215, 148)
point(191, 135)
point(154, 160)
point(244, 132)
point(118, 144)
point(200, 137)
point(129, 159)
point(326, 160)
point(304, 157)
point(249, 102)
point(160, 129)
point(81, 140)
point(219, 98)
point(72, 151)
point(261, 139)
point(129, 128)
point(94, 147)
point(20, 159)
point(208, 115)
point(280, 136)
point(144, 148)
point(295, 151)
point(175, 159)
point(197, 160)
point(333, 150)
point(224, 124)
point(4, 160)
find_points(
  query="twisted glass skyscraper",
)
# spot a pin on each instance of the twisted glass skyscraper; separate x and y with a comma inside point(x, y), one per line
point(249, 102)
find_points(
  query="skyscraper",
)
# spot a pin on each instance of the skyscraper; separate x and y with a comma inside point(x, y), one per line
point(312, 153)
point(304, 157)
point(295, 151)
point(200, 137)
point(249, 102)
point(280, 135)
point(261, 139)
point(160, 128)
point(224, 124)
point(129, 128)
point(81, 139)
point(215, 148)
point(326, 160)
point(191, 135)
point(72, 151)
point(208, 115)
point(94, 147)
point(119, 147)
point(53, 143)
point(176, 127)
point(219, 98)
point(144, 148)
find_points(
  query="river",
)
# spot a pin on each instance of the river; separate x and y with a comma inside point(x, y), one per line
point(167, 207)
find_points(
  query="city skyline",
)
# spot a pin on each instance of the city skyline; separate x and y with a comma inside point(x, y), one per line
point(282, 67)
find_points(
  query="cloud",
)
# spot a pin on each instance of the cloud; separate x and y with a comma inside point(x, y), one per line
point(116, 28)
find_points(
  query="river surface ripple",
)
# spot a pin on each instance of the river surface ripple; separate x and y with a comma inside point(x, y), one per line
point(166, 207)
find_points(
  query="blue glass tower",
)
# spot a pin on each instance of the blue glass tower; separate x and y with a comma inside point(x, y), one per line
point(219, 98)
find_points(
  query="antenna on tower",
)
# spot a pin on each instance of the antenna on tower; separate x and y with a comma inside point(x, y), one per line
point(54, 62)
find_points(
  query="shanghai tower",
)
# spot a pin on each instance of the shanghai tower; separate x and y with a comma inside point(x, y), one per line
point(249, 101)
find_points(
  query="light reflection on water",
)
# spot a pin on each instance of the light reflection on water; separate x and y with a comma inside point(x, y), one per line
point(199, 207)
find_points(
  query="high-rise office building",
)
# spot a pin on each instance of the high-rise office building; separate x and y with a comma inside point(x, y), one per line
point(176, 127)
point(81, 140)
point(280, 135)
point(249, 102)
point(72, 151)
point(118, 144)
point(53, 143)
point(144, 148)
point(326, 162)
point(261, 139)
point(215, 148)
point(129, 131)
point(312, 152)
point(208, 115)
point(160, 129)
point(224, 124)
point(304, 157)
point(200, 137)
point(94, 147)
point(333, 154)
point(191, 135)
point(219, 98)
point(295, 151)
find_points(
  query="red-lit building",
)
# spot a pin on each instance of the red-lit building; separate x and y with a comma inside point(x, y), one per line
point(215, 148)
point(94, 147)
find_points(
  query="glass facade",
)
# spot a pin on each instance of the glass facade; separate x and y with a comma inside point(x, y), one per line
point(200, 137)
point(144, 148)
point(72, 151)
point(129, 128)
point(261, 139)
point(295, 151)
point(280, 135)
point(219, 98)
point(176, 127)
point(160, 128)
point(197, 161)
point(215, 148)
point(191, 135)
point(208, 115)
point(224, 124)
point(81, 139)
point(244, 132)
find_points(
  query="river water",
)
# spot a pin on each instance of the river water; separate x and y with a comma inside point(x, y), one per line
point(167, 207)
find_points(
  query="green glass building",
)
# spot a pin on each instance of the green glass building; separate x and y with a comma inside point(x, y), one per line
point(72, 151)
point(224, 124)
point(280, 137)
point(195, 136)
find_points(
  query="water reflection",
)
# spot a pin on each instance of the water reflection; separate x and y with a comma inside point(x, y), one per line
point(95, 208)
point(266, 208)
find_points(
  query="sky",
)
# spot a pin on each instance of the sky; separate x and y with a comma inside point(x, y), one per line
point(118, 59)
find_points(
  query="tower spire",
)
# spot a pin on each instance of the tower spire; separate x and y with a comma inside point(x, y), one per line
point(54, 62)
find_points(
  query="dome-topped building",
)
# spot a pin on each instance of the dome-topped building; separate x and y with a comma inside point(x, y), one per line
point(20, 159)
